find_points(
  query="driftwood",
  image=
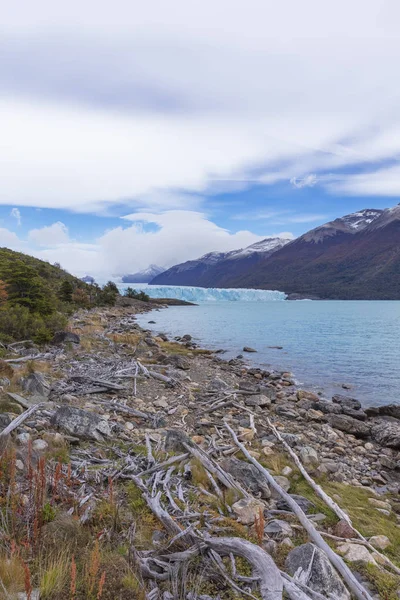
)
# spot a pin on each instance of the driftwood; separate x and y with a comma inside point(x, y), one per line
point(20, 399)
point(264, 568)
point(19, 420)
point(24, 358)
point(225, 478)
point(356, 588)
point(329, 501)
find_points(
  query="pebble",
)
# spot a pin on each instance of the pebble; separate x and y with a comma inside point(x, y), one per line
point(40, 445)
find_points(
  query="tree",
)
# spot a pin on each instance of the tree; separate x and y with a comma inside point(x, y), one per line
point(66, 291)
point(3, 292)
point(81, 297)
point(131, 293)
point(25, 288)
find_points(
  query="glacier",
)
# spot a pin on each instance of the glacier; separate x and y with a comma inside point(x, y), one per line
point(199, 294)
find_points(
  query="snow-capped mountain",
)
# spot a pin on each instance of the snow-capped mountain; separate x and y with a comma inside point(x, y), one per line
point(354, 257)
point(213, 268)
point(143, 276)
point(352, 223)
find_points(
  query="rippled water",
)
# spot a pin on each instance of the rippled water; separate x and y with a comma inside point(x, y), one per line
point(325, 344)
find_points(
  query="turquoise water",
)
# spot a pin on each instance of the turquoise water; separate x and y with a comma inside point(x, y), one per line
point(325, 344)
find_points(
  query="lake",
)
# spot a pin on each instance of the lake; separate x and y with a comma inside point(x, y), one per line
point(324, 343)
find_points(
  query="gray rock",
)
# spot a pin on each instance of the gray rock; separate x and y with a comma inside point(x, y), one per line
point(323, 577)
point(36, 385)
point(5, 419)
point(248, 349)
point(286, 410)
point(278, 530)
point(327, 407)
point(355, 413)
point(247, 475)
point(387, 433)
point(309, 456)
point(174, 441)
point(217, 384)
point(346, 402)
point(306, 505)
point(390, 410)
point(349, 425)
point(258, 400)
point(81, 423)
point(178, 361)
point(61, 337)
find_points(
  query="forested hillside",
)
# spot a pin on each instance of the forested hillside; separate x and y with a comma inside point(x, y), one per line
point(37, 297)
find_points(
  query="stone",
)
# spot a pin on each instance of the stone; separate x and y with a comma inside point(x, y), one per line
point(287, 411)
point(22, 439)
point(258, 400)
point(315, 415)
point(247, 475)
point(150, 342)
point(40, 445)
point(36, 385)
point(162, 403)
point(287, 471)
point(283, 482)
point(322, 576)
point(217, 384)
point(5, 420)
point(305, 504)
point(390, 410)
point(327, 407)
point(387, 433)
point(304, 395)
point(346, 402)
point(344, 530)
point(355, 553)
point(178, 361)
point(245, 434)
point(247, 509)
point(309, 456)
point(19, 465)
point(62, 337)
point(278, 529)
point(380, 504)
point(81, 423)
point(380, 542)
point(349, 425)
point(248, 349)
point(54, 438)
point(175, 439)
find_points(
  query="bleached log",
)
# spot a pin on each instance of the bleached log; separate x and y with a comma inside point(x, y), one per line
point(20, 399)
point(225, 478)
point(23, 358)
point(264, 568)
point(355, 586)
point(19, 420)
point(166, 463)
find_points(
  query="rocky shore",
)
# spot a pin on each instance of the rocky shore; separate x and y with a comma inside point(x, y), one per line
point(152, 451)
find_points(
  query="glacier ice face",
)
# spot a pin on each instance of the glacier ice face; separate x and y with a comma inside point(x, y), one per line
point(199, 294)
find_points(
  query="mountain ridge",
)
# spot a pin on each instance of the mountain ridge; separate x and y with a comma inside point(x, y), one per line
point(356, 256)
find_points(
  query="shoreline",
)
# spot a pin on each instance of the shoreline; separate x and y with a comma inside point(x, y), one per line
point(128, 420)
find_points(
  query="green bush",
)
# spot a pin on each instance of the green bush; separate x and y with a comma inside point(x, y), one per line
point(131, 293)
point(18, 323)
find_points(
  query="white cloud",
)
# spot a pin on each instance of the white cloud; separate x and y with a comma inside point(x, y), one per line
point(52, 235)
point(9, 239)
point(306, 181)
point(138, 100)
point(15, 213)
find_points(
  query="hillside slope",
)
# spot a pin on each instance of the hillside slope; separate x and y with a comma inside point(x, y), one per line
point(339, 260)
point(216, 268)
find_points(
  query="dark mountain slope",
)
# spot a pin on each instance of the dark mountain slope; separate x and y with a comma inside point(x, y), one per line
point(336, 261)
point(216, 268)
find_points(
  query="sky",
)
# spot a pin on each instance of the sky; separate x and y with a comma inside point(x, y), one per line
point(136, 132)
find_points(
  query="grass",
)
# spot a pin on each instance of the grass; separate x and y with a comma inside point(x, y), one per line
point(385, 584)
point(11, 574)
point(54, 574)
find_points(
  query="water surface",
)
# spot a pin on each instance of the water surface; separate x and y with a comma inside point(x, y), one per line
point(325, 344)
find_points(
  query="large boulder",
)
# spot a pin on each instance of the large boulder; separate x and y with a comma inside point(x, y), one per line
point(305, 504)
point(81, 423)
point(327, 407)
point(387, 433)
point(178, 361)
point(349, 425)
point(247, 475)
point(322, 578)
point(346, 402)
point(278, 529)
point(248, 510)
point(390, 410)
point(61, 337)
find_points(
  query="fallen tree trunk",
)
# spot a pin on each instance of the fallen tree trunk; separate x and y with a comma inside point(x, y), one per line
point(264, 568)
point(356, 588)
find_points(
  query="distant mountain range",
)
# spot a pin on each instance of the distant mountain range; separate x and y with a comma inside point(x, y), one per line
point(216, 269)
point(353, 257)
point(143, 276)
